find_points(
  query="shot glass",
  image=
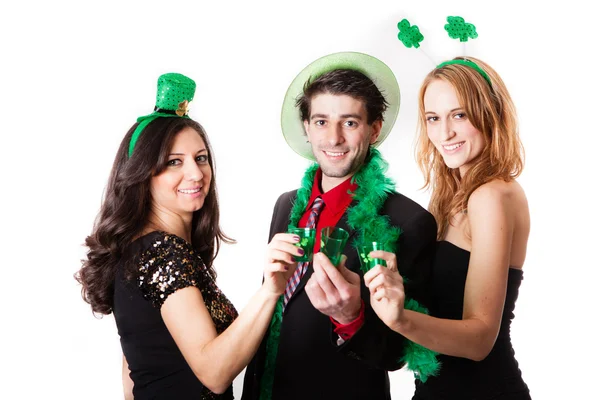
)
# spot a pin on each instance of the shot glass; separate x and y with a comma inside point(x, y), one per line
point(366, 261)
point(307, 242)
point(333, 241)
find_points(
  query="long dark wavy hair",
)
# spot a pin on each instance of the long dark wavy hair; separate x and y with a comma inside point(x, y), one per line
point(127, 205)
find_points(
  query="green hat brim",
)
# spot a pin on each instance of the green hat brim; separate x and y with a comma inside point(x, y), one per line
point(291, 122)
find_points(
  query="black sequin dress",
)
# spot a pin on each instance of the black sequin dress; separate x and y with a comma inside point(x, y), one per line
point(165, 263)
point(498, 375)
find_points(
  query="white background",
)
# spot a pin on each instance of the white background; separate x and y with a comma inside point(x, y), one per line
point(74, 77)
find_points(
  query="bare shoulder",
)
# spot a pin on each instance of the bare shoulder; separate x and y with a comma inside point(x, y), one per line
point(498, 194)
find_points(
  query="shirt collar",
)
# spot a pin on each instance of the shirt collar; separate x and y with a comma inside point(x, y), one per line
point(336, 199)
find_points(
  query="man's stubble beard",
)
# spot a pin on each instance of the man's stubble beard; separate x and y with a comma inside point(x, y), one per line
point(352, 168)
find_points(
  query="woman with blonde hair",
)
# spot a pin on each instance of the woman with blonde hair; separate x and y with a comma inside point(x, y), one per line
point(470, 154)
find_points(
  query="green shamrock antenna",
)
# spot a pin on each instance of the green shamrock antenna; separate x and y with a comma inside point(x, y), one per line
point(411, 36)
point(457, 28)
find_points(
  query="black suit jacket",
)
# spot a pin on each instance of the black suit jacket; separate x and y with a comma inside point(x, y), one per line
point(309, 363)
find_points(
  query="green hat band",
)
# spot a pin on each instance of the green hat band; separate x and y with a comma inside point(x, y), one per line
point(173, 96)
point(469, 64)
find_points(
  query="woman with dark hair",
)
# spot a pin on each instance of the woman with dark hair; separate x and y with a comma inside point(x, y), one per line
point(470, 153)
point(150, 261)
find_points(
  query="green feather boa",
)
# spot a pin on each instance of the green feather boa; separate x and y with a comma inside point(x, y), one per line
point(373, 189)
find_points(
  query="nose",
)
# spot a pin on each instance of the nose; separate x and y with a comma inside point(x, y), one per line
point(192, 172)
point(334, 135)
point(447, 131)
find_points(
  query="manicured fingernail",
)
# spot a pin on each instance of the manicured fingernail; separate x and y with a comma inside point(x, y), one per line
point(296, 238)
point(300, 251)
point(286, 267)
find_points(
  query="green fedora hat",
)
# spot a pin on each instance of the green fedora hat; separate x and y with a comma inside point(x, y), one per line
point(173, 95)
point(291, 123)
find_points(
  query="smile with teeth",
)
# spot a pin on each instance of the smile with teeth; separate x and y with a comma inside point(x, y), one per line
point(453, 146)
point(332, 154)
point(189, 191)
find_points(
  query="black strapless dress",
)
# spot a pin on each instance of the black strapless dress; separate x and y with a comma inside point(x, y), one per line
point(498, 375)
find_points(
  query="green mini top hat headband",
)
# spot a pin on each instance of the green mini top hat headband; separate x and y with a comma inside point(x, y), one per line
point(173, 96)
point(293, 126)
point(456, 27)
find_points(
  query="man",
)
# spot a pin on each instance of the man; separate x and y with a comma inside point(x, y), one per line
point(325, 341)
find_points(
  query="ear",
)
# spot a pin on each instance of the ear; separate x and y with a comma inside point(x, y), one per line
point(306, 125)
point(375, 130)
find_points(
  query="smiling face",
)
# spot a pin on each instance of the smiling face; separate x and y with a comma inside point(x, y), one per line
point(448, 127)
point(181, 188)
point(339, 135)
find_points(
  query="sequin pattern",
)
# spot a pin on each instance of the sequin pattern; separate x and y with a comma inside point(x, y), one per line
point(170, 264)
point(173, 89)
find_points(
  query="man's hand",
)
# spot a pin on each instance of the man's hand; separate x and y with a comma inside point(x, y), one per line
point(334, 291)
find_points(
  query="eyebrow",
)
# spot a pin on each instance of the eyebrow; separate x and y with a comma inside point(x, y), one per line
point(454, 109)
point(356, 116)
point(183, 154)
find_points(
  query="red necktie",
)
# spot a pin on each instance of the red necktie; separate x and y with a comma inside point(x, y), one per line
point(294, 281)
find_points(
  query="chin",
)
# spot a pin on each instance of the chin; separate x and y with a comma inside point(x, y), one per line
point(453, 164)
point(336, 173)
point(196, 206)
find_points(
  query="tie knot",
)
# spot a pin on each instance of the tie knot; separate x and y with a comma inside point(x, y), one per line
point(317, 204)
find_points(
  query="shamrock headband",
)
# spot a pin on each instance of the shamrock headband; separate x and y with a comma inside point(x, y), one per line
point(382, 76)
point(456, 27)
point(173, 96)
point(469, 64)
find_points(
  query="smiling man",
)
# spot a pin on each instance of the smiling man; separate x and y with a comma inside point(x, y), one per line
point(325, 341)
point(337, 124)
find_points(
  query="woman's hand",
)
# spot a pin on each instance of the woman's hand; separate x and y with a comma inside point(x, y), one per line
point(280, 264)
point(387, 290)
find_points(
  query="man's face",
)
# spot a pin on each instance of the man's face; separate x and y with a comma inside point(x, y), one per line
point(339, 134)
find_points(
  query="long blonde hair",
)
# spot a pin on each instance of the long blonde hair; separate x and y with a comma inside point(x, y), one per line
point(491, 111)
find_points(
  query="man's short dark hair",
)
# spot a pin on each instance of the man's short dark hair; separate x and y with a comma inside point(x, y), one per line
point(348, 82)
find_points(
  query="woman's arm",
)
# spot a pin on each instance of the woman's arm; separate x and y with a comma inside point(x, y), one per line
point(127, 382)
point(491, 223)
point(217, 359)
